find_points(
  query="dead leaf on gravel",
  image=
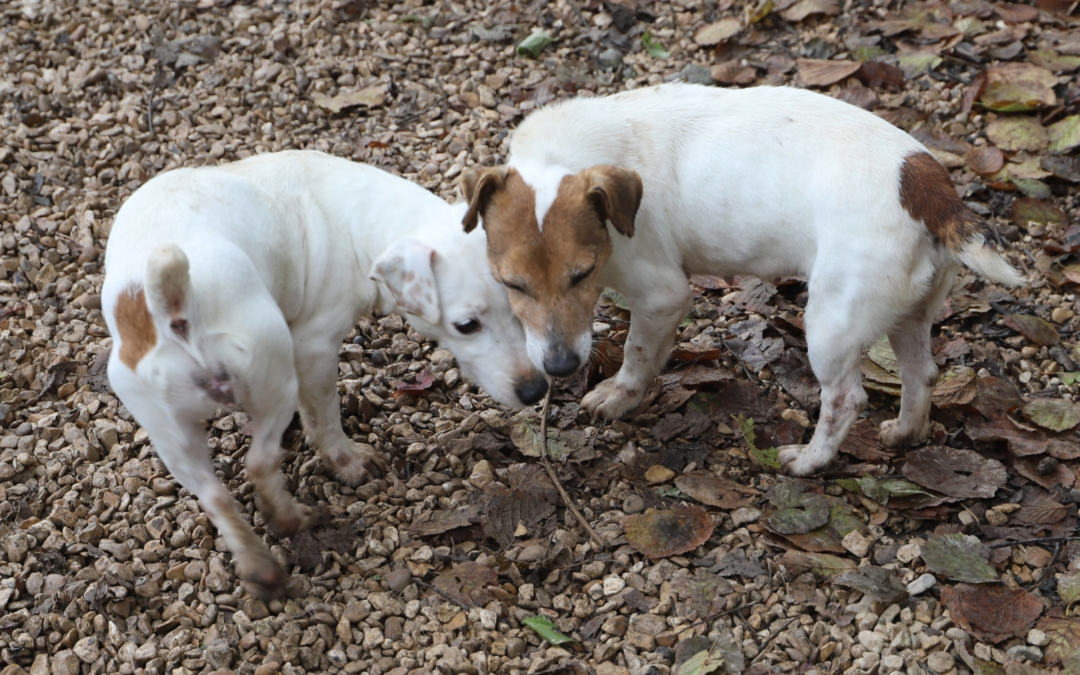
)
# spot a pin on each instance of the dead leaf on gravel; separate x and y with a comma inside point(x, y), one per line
point(875, 74)
point(1064, 645)
point(467, 583)
point(1053, 60)
point(1026, 211)
point(1040, 510)
point(715, 491)
point(1028, 467)
point(1022, 440)
point(1065, 168)
point(859, 96)
point(823, 73)
point(829, 538)
point(881, 490)
point(424, 379)
point(563, 445)
point(1068, 588)
point(733, 72)
point(915, 64)
point(701, 655)
point(1054, 414)
point(659, 534)
point(793, 373)
point(992, 613)
point(805, 8)
point(737, 563)
point(370, 97)
point(1015, 133)
point(985, 160)
point(309, 545)
point(797, 511)
point(1018, 87)
point(958, 473)
point(955, 387)
point(996, 395)
point(705, 591)
point(862, 442)
point(1038, 331)
point(822, 565)
point(504, 511)
point(437, 522)
point(1012, 12)
point(959, 557)
point(1064, 135)
point(882, 583)
point(715, 33)
point(691, 424)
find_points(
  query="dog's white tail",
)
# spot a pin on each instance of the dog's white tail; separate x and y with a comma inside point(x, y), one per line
point(167, 284)
point(980, 255)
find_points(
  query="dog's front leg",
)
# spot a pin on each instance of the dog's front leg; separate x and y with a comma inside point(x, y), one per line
point(654, 320)
point(320, 410)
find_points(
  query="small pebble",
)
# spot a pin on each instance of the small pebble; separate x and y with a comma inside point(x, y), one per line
point(922, 584)
point(398, 579)
point(940, 662)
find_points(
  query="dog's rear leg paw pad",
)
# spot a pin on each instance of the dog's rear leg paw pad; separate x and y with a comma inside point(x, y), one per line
point(800, 460)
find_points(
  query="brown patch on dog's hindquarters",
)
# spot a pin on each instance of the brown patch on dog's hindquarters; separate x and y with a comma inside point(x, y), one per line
point(927, 193)
point(135, 325)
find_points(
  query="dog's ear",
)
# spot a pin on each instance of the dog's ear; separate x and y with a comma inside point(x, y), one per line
point(616, 193)
point(477, 186)
point(406, 270)
point(168, 282)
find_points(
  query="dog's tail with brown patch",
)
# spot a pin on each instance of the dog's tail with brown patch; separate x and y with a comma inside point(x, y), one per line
point(168, 282)
point(927, 193)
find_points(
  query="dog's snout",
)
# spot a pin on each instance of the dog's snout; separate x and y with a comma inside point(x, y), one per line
point(531, 389)
point(561, 361)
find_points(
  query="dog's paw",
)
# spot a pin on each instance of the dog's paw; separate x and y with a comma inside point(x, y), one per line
point(801, 460)
point(611, 401)
point(893, 435)
point(357, 463)
point(287, 522)
point(261, 574)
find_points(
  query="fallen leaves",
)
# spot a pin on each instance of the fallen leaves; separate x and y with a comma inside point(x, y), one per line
point(959, 557)
point(1018, 87)
point(882, 583)
point(715, 33)
point(821, 565)
point(703, 590)
point(467, 583)
point(985, 160)
point(1039, 331)
point(659, 534)
point(823, 73)
point(715, 491)
point(797, 511)
point(1026, 211)
point(1017, 133)
point(1064, 645)
point(1064, 135)
point(958, 473)
point(534, 44)
point(992, 613)
point(546, 629)
point(1054, 414)
point(699, 656)
point(370, 97)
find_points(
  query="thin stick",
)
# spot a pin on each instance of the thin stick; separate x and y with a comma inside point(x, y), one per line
point(765, 645)
point(1041, 540)
point(555, 479)
point(445, 595)
point(150, 103)
point(713, 617)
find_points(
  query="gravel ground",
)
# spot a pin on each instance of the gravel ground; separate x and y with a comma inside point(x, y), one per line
point(107, 565)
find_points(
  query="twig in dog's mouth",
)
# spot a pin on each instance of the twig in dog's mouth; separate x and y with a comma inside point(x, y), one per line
point(555, 479)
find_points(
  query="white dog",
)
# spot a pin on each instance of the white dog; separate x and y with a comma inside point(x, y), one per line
point(236, 284)
point(699, 180)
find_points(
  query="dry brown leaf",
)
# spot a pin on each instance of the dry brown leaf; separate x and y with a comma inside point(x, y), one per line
point(1012, 12)
point(1059, 474)
point(659, 534)
point(992, 613)
point(823, 73)
point(715, 491)
point(958, 473)
point(371, 97)
point(1018, 87)
point(715, 33)
point(862, 442)
point(1041, 510)
point(804, 8)
point(1022, 440)
point(1036, 330)
point(467, 583)
point(985, 160)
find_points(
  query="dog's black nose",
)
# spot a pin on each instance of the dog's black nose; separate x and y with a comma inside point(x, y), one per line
point(529, 390)
point(561, 361)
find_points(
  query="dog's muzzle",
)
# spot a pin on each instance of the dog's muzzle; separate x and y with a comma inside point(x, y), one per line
point(560, 360)
point(531, 389)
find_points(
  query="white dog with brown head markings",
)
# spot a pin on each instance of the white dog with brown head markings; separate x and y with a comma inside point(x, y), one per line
point(235, 286)
point(640, 190)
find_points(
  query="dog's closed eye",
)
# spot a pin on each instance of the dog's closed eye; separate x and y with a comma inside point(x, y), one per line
point(577, 277)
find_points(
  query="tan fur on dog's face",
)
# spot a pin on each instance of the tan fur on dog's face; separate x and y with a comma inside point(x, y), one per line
point(551, 271)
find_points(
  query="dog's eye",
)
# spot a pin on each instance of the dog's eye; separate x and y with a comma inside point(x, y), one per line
point(514, 287)
point(578, 277)
point(466, 327)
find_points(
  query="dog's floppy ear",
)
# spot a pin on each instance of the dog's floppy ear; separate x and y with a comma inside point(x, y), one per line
point(477, 186)
point(617, 195)
point(406, 271)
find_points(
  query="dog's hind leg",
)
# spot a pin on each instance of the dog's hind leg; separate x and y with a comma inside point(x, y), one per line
point(840, 321)
point(910, 340)
point(181, 445)
point(320, 408)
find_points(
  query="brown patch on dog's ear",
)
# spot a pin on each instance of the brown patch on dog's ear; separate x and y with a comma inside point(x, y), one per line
point(477, 186)
point(927, 193)
point(617, 195)
point(135, 325)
